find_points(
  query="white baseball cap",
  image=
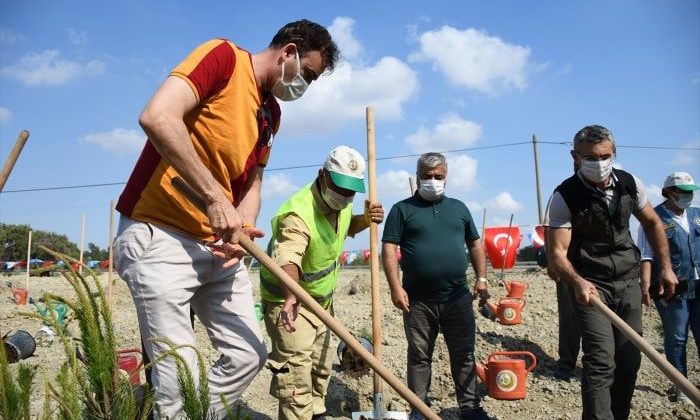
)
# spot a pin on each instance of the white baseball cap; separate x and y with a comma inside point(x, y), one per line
point(347, 168)
point(682, 181)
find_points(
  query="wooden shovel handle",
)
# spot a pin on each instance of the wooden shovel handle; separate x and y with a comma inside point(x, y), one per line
point(673, 374)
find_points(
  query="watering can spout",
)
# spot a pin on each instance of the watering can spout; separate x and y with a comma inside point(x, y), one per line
point(481, 372)
point(492, 307)
point(507, 285)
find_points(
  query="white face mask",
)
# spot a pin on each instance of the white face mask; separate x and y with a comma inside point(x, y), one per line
point(293, 90)
point(683, 201)
point(431, 189)
point(335, 200)
point(596, 170)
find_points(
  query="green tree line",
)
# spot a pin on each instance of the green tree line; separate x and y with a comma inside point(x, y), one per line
point(14, 238)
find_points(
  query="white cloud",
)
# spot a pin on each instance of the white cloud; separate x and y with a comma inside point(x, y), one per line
point(342, 96)
point(119, 141)
point(696, 78)
point(452, 132)
point(654, 194)
point(342, 32)
point(77, 37)
point(503, 202)
point(461, 173)
point(277, 185)
point(473, 59)
point(8, 37)
point(394, 184)
point(48, 68)
point(688, 157)
point(5, 114)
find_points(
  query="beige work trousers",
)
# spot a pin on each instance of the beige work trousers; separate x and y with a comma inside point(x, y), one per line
point(300, 362)
point(168, 273)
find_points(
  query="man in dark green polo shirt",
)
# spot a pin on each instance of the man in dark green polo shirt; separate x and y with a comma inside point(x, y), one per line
point(432, 231)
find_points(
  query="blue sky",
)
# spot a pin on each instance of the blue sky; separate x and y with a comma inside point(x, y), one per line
point(441, 75)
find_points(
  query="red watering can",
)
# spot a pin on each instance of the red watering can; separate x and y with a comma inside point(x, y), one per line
point(505, 377)
point(508, 311)
point(516, 289)
point(129, 364)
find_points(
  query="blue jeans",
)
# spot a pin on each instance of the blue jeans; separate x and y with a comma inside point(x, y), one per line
point(677, 316)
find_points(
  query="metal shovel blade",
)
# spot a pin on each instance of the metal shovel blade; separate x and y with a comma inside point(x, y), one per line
point(379, 412)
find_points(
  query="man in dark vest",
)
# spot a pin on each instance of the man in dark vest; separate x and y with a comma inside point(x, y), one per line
point(591, 249)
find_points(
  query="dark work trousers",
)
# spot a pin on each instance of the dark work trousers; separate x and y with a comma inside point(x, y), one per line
point(569, 335)
point(456, 320)
point(610, 360)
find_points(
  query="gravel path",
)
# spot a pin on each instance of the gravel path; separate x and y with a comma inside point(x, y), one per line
point(548, 397)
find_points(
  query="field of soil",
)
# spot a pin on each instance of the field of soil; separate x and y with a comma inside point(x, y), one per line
point(548, 397)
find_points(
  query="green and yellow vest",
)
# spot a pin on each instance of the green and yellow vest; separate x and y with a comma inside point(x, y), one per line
point(319, 267)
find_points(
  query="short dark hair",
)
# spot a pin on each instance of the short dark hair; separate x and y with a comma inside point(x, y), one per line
point(308, 36)
point(593, 134)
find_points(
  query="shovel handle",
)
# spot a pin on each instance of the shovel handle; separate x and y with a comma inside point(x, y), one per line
point(667, 368)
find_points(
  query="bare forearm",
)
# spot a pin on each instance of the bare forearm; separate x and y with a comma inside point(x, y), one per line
point(249, 205)
point(293, 271)
point(358, 223)
point(645, 274)
point(391, 265)
point(478, 258)
point(564, 270)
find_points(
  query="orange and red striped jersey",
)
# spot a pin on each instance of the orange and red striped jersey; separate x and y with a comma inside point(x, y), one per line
point(230, 129)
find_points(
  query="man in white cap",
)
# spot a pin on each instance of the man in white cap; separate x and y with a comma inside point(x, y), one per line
point(682, 227)
point(308, 234)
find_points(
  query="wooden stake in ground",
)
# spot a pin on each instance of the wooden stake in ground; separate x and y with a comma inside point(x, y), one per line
point(82, 244)
point(379, 408)
point(667, 368)
point(12, 158)
point(412, 185)
point(111, 255)
point(306, 299)
point(29, 257)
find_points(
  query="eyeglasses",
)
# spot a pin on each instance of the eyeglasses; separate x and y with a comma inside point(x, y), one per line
point(265, 125)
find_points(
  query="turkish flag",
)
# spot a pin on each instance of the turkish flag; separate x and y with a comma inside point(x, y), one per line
point(502, 245)
point(537, 236)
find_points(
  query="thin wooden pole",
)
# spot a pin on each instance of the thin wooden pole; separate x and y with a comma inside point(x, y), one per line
point(412, 185)
point(111, 254)
point(82, 244)
point(29, 257)
point(537, 178)
point(374, 264)
point(12, 158)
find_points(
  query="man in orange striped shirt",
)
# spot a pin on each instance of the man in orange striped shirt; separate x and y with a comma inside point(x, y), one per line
point(210, 123)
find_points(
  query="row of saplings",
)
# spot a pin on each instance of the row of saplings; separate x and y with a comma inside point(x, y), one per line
point(90, 383)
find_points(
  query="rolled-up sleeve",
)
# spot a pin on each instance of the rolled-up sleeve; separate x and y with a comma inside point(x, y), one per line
point(292, 239)
point(643, 245)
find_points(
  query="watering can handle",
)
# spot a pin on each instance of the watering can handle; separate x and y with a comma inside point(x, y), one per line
point(527, 354)
point(524, 303)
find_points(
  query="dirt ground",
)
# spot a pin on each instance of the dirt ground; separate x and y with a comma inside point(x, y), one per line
point(548, 397)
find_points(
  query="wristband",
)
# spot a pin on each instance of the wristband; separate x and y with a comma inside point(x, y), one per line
point(482, 280)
